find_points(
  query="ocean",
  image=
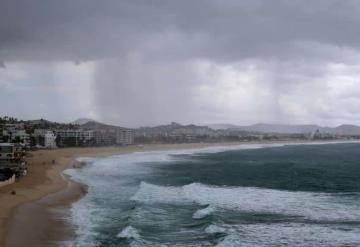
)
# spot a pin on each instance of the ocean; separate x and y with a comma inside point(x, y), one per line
point(248, 195)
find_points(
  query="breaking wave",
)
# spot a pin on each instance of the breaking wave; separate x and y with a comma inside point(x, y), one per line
point(287, 234)
point(118, 211)
point(129, 233)
point(202, 213)
point(310, 205)
point(212, 229)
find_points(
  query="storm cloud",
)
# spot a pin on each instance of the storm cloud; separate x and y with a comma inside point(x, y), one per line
point(150, 62)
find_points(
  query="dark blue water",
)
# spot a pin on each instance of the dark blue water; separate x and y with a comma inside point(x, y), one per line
point(294, 195)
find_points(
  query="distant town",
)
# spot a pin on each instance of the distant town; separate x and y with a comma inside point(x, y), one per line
point(19, 136)
point(33, 134)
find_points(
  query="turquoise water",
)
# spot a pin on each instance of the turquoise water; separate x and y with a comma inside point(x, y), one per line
point(251, 195)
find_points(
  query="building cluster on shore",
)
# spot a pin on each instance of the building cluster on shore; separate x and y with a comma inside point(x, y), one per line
point(17, 137)
point(177, 133)
point(44, 134)
point(12, 163)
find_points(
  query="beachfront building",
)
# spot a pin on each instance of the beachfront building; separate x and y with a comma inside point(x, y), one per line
point(20, 136)
point(73, 138)
point(49, 140)
point(15, 133)
point(7, 151)
point(124, 136)
point(45, 138)
point(12, 164)
point(105, 137)
point(2, 133)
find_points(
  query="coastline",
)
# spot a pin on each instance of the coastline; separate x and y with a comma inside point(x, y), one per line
point(50, 214)
point(46, 181)
point(46, 190)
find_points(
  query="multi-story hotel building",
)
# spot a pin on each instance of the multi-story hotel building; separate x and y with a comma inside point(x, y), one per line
point(124, 136)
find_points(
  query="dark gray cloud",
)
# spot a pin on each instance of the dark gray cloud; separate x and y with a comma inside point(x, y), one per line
point(217, 30)
point(159, 60)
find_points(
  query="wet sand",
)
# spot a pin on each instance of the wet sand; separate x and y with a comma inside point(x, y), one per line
point(47, 217)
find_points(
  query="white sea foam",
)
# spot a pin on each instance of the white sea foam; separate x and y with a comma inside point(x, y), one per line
point(129, 232)
point(233, 241)
point(132, 234)
point(317, 206)
point(289, 234)
point(202, 213)
point(154, 193)
point(86, 159)
point(104, 175)
point(215, 229)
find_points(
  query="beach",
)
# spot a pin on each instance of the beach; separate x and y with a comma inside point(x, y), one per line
point(45, 195)
point(45, 187)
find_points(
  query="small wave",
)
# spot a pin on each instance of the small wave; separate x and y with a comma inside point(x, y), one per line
point(129, 233)
point(155, 193)
point(202, 213)
point(317, 206)
point(289, 234)
point(232, 241)
point(86, 159)
point(212, 229)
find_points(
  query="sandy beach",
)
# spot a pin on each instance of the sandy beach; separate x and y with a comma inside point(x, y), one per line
point(45, 189)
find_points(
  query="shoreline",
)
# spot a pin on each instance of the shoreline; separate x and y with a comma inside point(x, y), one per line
point(51, 214)
point(47, 189)
point(45, 178)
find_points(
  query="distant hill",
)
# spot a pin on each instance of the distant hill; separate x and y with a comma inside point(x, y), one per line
point(39, 121)
point(280, 128)
point(93, 125)
point(210, 129)
point(347, 129)
point(96, 125)
point(174, 128)
point(90, 124)
point(82, 121)
point(222, 126)
point(46, 124)
point(291, 129)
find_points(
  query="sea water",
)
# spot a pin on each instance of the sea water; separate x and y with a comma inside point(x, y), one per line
point(248, 195)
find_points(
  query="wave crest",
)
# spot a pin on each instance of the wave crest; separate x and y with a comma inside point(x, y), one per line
point(202, 213)
point(249, 199)
point(129, 233)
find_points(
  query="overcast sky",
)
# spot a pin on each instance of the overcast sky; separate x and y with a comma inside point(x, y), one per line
point(146, 62)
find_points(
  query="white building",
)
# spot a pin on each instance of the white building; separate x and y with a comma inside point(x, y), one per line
point(49, 140)
point(45, 138)
point(124, 136)
point(81, 134)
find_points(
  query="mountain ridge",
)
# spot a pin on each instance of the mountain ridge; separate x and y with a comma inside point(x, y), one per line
point(344, 129)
